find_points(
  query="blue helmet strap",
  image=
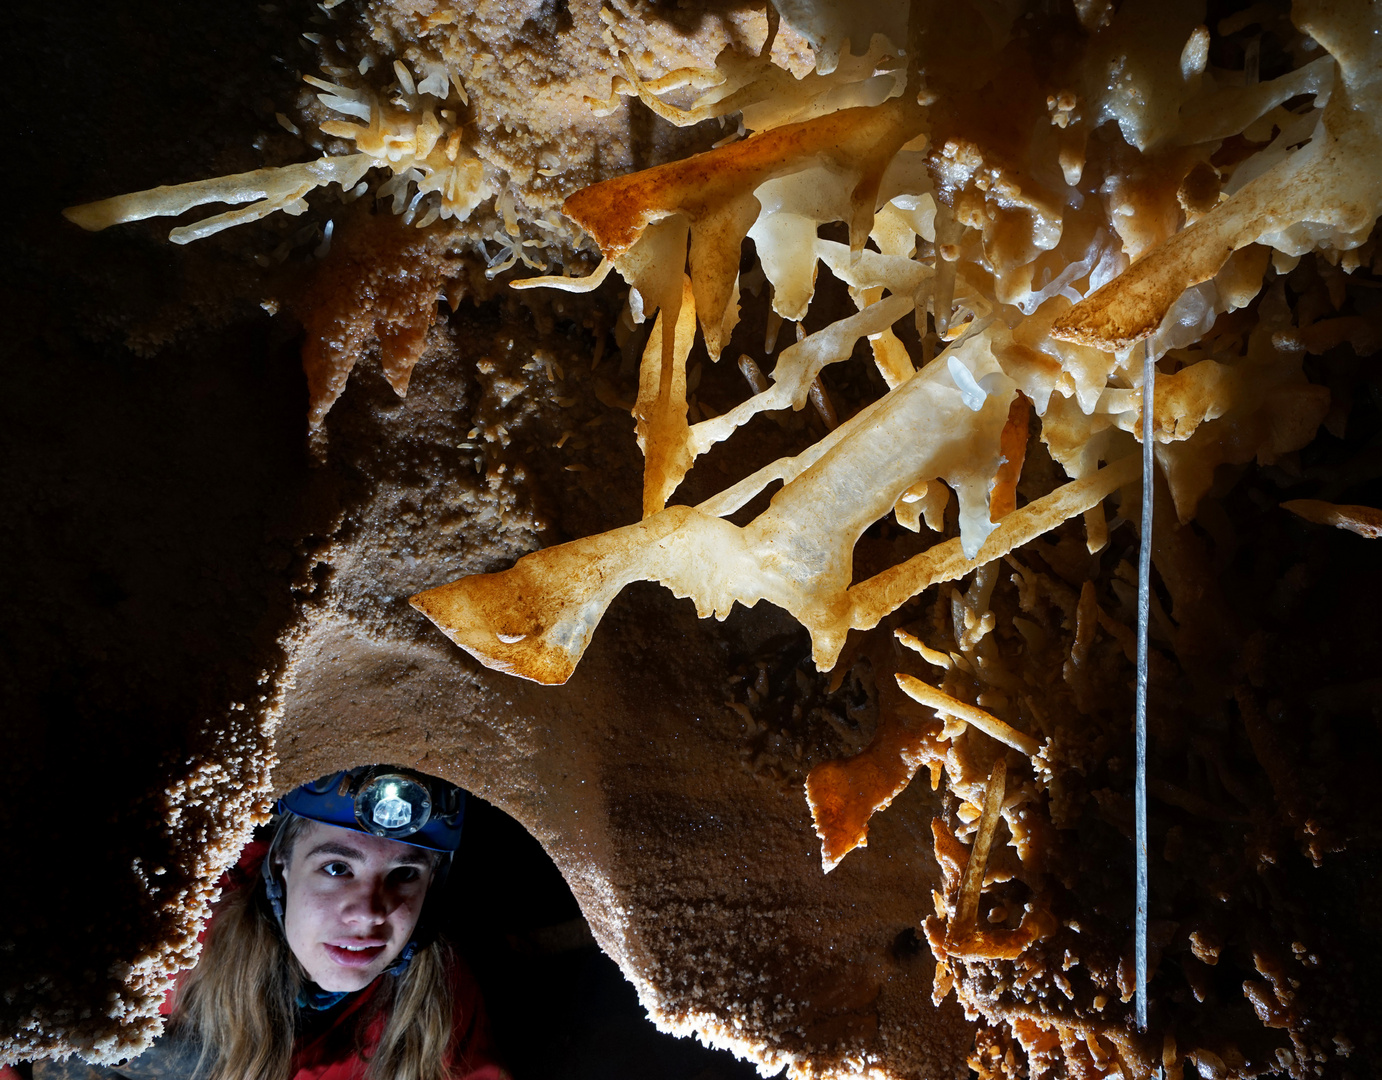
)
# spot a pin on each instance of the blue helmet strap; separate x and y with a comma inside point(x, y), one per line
point(389, 801)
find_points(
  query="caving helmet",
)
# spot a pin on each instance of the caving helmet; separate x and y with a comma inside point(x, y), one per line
point(382, 800)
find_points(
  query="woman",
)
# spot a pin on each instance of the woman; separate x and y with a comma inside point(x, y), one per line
point(323, 963)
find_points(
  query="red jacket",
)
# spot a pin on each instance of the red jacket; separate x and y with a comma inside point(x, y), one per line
point(335, 1055)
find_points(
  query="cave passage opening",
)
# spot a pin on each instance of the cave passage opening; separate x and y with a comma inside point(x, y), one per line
point(558, 1005)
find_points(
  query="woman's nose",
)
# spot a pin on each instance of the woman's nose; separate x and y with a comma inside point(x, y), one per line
point(370, 901)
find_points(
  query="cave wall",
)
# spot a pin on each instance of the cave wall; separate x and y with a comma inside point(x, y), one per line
point(195, 597)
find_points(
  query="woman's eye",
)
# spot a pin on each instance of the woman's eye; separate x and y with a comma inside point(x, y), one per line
point(336, 869)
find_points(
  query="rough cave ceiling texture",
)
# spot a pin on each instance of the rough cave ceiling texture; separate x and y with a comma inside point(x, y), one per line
point(200, 592)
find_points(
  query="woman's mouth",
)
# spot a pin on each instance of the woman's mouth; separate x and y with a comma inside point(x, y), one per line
point(354, 954)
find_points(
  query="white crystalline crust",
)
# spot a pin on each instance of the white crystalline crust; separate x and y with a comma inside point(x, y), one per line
point(219, 791)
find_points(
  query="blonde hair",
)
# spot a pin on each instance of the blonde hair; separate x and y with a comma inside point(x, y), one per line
point(240, 1002)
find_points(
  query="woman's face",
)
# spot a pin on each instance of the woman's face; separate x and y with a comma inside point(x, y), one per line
point(351, 902)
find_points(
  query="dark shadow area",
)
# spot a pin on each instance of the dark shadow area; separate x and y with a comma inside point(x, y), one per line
point(559, 1006)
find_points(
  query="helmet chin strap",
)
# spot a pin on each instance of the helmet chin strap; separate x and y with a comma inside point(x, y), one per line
point(273, 877)
point(403, 959)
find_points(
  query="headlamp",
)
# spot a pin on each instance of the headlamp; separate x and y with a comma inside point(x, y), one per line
point(393, 806)
point(385, 800)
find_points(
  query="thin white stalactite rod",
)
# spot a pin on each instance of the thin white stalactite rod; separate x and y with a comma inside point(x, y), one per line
point(1144, 606)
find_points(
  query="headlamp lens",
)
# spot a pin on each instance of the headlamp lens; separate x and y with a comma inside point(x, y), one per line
point(393, 806)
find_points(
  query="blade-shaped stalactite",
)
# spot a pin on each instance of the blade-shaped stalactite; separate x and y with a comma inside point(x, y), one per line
point(708, 200)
